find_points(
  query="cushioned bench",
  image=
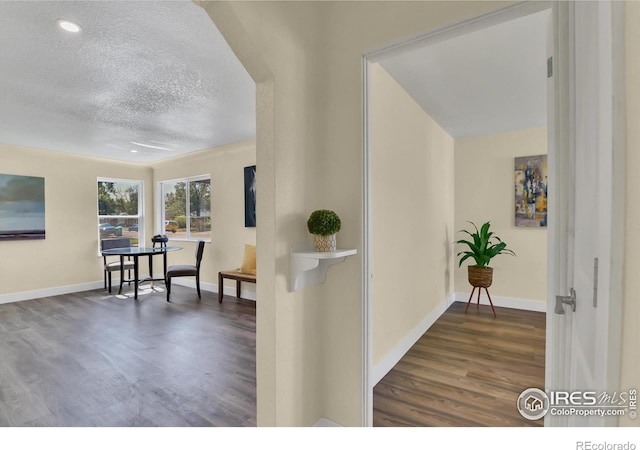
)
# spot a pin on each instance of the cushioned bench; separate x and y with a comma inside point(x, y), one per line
point(233, 275)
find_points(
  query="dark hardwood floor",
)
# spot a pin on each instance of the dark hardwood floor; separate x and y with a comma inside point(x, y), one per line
point(466, 370)
point(94, 359)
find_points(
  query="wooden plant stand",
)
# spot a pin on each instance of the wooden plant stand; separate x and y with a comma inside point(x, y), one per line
point(478, 304)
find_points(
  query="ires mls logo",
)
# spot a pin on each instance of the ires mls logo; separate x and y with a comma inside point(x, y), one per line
point(533, 403)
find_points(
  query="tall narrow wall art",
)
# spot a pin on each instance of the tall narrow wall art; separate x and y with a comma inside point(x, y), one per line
point(531, 191)
point(250, 196)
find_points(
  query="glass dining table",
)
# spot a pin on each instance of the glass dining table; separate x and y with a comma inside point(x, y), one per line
point(136, 253)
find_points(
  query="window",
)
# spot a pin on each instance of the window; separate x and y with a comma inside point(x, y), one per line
point(186, 208)
point(120, 212)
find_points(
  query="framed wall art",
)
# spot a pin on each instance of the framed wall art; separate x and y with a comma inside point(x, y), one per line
point(21, 207)
point(250, 196)
point(531, 186)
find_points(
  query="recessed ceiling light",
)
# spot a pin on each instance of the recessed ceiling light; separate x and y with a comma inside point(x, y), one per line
point(134, 151)
point(69, 26)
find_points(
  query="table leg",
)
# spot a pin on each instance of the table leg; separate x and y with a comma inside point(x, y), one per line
point(151, 270)
point(135, 276)
point(238, 288)
point(164, 260)
point(121, 274)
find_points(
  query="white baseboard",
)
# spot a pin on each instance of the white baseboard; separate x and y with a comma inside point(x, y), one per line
point(395, 355)
point(115, 282)
point(504, 302)
point(49, 292)
point(323, 422)
point(212, 287)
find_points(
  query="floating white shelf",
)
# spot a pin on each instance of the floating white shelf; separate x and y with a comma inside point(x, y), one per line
point(309, 267)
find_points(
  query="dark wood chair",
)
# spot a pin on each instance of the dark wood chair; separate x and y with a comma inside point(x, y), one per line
point(111, 266)
point(186, 271)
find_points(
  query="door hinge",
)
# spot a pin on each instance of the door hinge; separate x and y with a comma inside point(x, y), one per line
point(549, 66)
point(562, 300)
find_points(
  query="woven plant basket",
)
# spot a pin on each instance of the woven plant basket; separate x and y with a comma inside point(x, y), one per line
point(480, 276)
point(324, 243)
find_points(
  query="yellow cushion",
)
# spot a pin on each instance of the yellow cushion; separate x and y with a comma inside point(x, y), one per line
point(249, 262)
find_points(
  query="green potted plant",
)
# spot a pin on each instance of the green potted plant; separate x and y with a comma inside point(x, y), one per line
point(485, 246)
point(323, 224)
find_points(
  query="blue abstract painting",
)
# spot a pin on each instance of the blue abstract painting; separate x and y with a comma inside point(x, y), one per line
point(21, 207)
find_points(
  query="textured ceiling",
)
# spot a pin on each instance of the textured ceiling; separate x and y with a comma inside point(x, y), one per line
point(155, 73)
point(484, 82)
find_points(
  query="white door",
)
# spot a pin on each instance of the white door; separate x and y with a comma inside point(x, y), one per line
point(580, 348)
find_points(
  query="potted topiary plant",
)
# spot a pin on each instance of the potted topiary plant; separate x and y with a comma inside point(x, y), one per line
point(484, 247)
point(323, 224)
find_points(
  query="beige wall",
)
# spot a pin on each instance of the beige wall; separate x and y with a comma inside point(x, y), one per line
point(306, 59)
point(480, 198)
point(71, 214)
point(69, 254)
point(412, 213)
point(630, 363)
point(226, 166)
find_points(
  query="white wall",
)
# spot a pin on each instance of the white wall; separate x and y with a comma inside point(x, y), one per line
point(306, 60)
point(484, 191)
point(412, 213)
point(68, 257)
point(226, 166)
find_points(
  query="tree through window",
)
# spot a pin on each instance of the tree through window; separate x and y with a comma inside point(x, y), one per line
point(120, 212)
point(186, 208)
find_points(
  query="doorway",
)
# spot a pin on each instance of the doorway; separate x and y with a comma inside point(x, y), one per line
point(430, 169)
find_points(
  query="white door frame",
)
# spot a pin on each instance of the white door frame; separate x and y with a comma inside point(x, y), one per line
point(611, 132)
point(561, 100)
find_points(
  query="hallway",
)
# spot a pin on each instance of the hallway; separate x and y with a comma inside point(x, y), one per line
point(466, 370)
